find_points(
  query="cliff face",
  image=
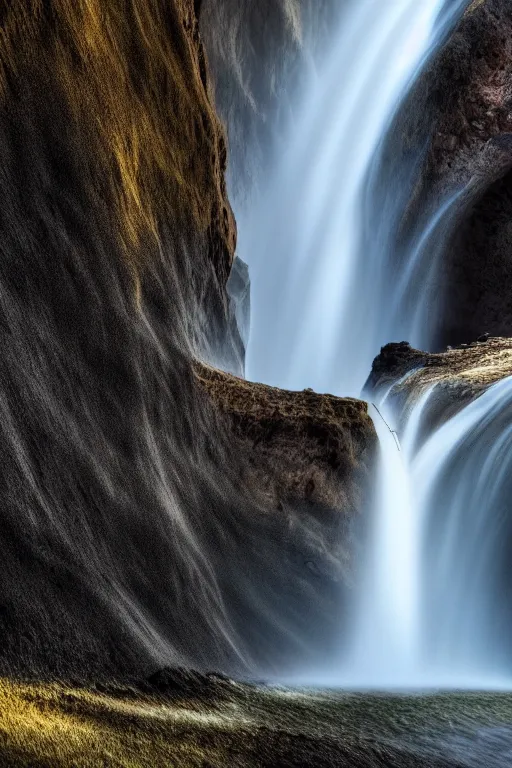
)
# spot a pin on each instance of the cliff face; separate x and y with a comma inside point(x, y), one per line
point(129, 536)
point(116, 240)
point(460, 110)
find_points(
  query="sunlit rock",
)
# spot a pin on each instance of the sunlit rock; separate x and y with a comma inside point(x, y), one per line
point(459, 375)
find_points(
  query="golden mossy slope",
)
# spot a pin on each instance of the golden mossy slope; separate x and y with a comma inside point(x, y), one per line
point(247, 726)
point(127, 82)
point(50, 725)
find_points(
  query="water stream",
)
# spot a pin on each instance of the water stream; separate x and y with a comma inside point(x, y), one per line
point(433, 611)
point(325, 297)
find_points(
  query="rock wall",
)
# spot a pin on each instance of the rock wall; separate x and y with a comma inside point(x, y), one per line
point(117, 239)
point(129, 537)
point(460, 111)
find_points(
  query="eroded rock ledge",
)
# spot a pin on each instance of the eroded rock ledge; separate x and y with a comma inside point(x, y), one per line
point(460, 374)
point(306, 451)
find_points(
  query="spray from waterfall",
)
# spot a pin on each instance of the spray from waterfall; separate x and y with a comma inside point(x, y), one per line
point(433, 610)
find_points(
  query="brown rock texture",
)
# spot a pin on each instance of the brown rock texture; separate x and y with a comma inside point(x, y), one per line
point(472, 93)
point(301, 446)
point(460, 375)
point(476, 111)
point(85, 91)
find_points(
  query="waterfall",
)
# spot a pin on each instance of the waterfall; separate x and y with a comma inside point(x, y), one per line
point(386, 631)
point(324, 300)
point(463, 479)
point(434, 608)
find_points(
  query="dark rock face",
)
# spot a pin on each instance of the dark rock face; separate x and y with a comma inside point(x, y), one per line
point(461, 109)
point(117, 239)
point(475, 119)
point(309, 458)
point(129, 540)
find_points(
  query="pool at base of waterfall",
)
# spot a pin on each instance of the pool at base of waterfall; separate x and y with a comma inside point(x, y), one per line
point(211, 722)
point(402, 730)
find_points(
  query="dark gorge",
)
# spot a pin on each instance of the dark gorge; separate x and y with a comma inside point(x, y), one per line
point(227, 537)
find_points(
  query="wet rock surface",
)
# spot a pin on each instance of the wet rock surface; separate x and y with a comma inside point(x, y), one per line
point(461, 111)
point(476, 108)
point(117, 239)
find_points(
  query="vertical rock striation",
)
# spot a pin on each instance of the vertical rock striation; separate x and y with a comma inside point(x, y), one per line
point(129, 537)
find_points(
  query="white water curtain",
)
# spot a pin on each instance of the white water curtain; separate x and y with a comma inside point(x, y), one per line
point(318, 318)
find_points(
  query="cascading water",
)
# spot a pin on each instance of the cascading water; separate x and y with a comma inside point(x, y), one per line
point(463, 481)
point(325, 298)
point(387, 633)
point(318, 291)
point(435, 609)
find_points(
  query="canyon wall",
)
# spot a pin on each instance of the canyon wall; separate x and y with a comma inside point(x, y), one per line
point(455, 128)
point(133, 533)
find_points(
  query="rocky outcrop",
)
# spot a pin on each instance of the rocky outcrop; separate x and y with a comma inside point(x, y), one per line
point(459, 375)
point(306, 452)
